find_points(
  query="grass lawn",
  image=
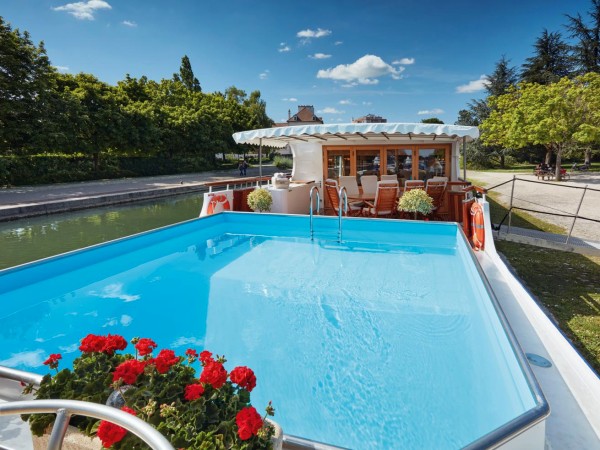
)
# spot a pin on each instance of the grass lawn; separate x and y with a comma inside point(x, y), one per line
point(526, 167)
point(567, 285)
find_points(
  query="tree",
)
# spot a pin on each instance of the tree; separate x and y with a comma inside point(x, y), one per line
point(502, 78)
point(26, 78)
point(557, 115)
point(587, 50)
point(186, 75)
point(432, 120)
point(551, 60)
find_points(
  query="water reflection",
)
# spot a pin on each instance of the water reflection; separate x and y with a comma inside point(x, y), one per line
point(39, 237)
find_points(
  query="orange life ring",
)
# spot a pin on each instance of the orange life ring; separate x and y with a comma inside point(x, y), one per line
point(217, 204)
point(477, 227)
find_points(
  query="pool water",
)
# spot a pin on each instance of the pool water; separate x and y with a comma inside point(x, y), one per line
point(387, 340)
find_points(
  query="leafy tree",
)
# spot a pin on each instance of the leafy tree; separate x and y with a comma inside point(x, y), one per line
point(186, 75)
point(432, 120)
point(557, 115)
point(26, 78)
point(550, 62)
point(502, 78)
point(587, 50)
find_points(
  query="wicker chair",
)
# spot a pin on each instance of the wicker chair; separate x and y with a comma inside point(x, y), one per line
point(386, 198)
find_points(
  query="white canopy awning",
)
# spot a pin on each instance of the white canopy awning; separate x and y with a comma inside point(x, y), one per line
point(338, 133)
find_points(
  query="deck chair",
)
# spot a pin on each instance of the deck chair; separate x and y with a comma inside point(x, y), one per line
point(389, 177)
point(413, 184)
point(332, 190)
point(369, 184)
point(386, 197)
point(349, 182)
point(436, 190)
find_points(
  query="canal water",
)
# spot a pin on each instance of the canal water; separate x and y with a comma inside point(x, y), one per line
point(27, 240)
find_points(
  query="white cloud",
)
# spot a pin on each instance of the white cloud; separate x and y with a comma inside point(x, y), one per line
point(319, 56)
point(126, 320)
point(283, 47)
point(330, 110)
point(68, 348)
point(33, 358)
point(349, 85)
point(84, 10)
point(181, 341)
point(367, 103)
point(338, 43)
point(291, 99)
point(62, 69)
point(308, 33)
point(431, 111)
point(473, 86)
point(129, 23)
point(264, 75)
point(404, 61)
point(346, 102)
point(364, 70)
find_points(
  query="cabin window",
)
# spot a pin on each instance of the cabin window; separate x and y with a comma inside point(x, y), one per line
point(338, 163)
point(432, 163)
point(368, 162)
point(399, 163)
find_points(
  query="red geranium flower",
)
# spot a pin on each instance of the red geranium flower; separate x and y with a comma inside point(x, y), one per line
point(206, 356)
point(164, 360)
point(145, 346)
point(52, 360)
point(214, 374)
point(191, 352)
point(114, 342)
point(92, 343)
point(249, 422)
point(109, 433)
point(128, 371)
point(193, 391)
point(243, 377)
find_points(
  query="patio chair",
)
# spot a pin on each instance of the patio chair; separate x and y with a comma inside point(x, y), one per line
point(436, 190)
point(386, 197)
point(349, 182)
point(332, 190)
point(369, 184)
point(413, 184)
point(389, 177)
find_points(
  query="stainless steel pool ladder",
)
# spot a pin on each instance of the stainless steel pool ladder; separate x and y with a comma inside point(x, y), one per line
point(342, 209)
point(312, 189)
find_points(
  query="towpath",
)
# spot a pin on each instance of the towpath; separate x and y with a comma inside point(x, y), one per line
point(24, 201)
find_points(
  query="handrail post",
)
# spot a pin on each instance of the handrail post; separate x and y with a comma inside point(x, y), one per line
point(342, 207)
point(512, 191)
point(312, 189)
point(59, 429)
point(576, 214)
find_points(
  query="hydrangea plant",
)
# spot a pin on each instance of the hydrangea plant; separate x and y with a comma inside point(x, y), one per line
point(416, 201)
point(210, 411)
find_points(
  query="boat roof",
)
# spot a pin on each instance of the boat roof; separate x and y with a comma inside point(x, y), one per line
point(339, 133)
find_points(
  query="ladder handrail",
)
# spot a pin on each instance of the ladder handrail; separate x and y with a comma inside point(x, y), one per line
point(64, 409)
point(342, 193)
point(311, 208)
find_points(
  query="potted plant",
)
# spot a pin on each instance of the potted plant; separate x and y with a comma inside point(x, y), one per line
point(416, 201)
point(260, 200)
point(209, 411)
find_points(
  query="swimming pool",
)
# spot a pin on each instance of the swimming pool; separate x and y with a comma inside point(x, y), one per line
point(387, 340)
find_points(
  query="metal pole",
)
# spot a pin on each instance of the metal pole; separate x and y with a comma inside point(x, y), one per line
point(512, 191)
point(260, 160)
point(576, 214)
point(464, 158)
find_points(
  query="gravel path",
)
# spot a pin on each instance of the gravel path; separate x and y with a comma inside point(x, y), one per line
point(552, 197)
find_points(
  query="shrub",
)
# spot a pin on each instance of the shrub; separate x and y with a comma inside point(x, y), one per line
point(260, 200)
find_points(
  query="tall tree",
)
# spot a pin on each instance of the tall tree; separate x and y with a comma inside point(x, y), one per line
point(186, 75)
point(432, 120)
point(557, 115)
point(26, 78)
point(550, 62)
point(587, 50)
point(503, 77)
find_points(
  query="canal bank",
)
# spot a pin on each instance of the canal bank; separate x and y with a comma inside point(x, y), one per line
point(30, 201)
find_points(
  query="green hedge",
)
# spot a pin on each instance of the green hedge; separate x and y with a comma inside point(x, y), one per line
point(24, 170)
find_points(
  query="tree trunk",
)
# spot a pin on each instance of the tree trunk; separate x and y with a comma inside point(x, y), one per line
point(548, 154)
point(588, 156)
point(96, 161)
point(502, 157)
point(559, 150)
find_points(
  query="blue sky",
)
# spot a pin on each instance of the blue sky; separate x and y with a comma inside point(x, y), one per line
point(404, 60)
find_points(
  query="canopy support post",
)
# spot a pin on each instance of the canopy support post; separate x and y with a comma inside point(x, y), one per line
point(464, 158)
point(260, 160)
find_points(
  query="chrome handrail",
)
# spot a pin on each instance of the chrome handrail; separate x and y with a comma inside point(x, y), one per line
point(64, 409)
point(342, 206)
point(311, 208)
point(20, 375)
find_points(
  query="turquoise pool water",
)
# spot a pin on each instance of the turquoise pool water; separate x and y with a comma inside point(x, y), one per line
point(388, 340)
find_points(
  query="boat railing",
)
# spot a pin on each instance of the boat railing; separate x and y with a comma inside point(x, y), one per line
point(312, 190)
point(234, 183)
point(64, 409)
